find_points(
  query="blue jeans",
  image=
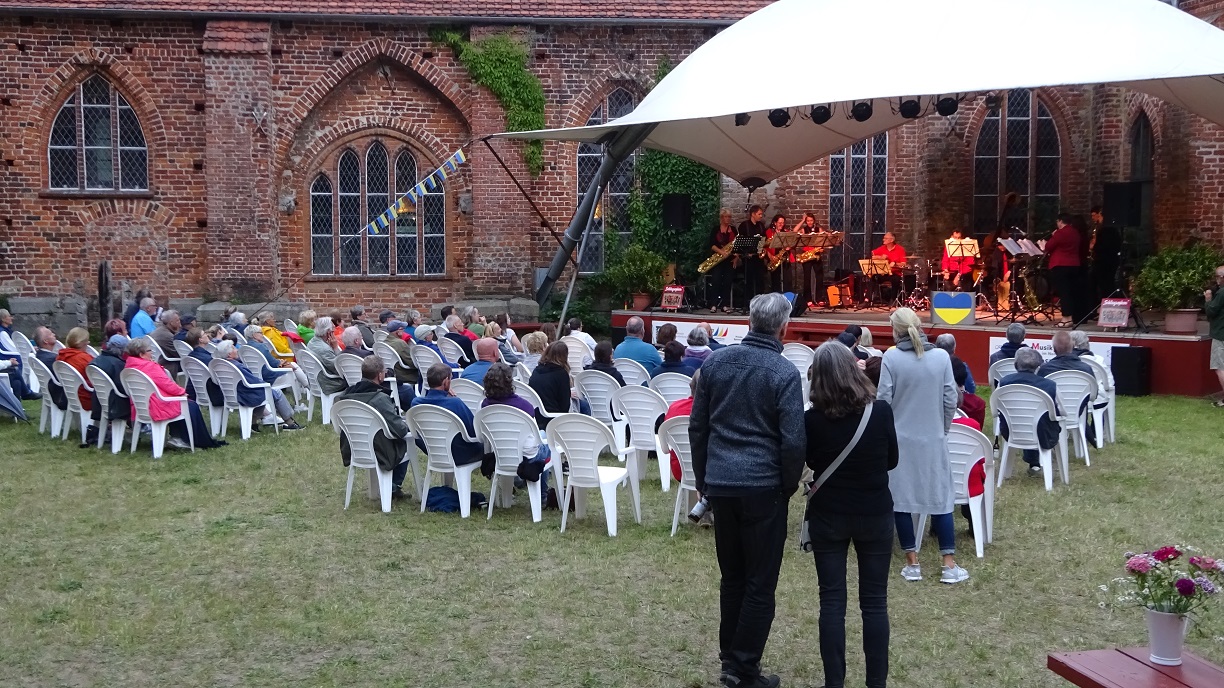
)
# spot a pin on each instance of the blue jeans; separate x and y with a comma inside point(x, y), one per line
point(944, 532)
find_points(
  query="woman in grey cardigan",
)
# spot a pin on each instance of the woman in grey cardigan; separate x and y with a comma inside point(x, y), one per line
point(916, 379)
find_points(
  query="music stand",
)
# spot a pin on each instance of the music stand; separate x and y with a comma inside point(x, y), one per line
point(784, 244)
point(874, 268)
point(746, 248)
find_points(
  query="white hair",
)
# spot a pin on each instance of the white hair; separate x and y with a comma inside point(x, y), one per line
point(223, 349)
point(1028, 360)
point(252, 330)
point(351, 336)
point(238, 318)
point(1079, 339)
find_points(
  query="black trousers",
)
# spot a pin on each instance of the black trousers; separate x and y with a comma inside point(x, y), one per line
point(755, 272)
point(872, 537)
point(720, 277)
point(749, 533)
point(814, 286)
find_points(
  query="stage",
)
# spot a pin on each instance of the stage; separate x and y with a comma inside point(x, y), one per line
point(1179, 362)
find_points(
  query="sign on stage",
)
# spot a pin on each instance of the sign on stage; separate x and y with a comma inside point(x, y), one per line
point(1114, 313)
point(1045, 347)
point(724, 333)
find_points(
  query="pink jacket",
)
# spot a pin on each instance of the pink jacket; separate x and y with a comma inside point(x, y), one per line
point(158, 409)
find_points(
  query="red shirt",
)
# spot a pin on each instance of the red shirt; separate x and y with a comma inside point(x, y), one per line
point(956, 264)
point(896, 254)
point(679, 407)
point(1063, 248)
point(974, 407)
point(977, 474)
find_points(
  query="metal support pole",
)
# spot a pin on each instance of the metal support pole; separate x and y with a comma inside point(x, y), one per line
point(569, 293)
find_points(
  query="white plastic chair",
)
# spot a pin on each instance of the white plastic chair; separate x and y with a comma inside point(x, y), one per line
point(360, 423)
point(801, 356)
point(182, 348)
point(581, 439)
point(200, 376)
point(673, 436)
point(91, 351)
point(451, 350)
point(672, 386)
point(471, 393)
point(391, 361)
point(966, 447)
point(290, 326)
point(285, 379)
point(104, 386)
point(228, 378)
point(158, 354)
point(522, 372)
point(242, 340)
point(349, 367)
point(72, 380)
point(380, 336)
point(999, 370)
point(525, 390)
point(313, 369)
point(1073, 387)
point(633, 372)
point(597, 388)
point(1022, 406)
point(1105, 409)
point(140, 390)
point(640, 407)
point(504, 429)
point(436, 427)
point(25, 351)
point(50, 411)
point(579, 353)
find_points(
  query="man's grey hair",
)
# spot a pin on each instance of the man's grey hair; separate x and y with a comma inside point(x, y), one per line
point(1016, 333)
point(412, 316)
point(1062, 343)
point(769, 313)
point(41, 338)
point(351, 336)
point(1028, 360)
point(146, 302)
point(223, 349)
point(454, 323)
point(4, 313)
point(264, 316)
point(356, 312)
point(237, 319)
point(698, 337)
point(169, 315)
point(324, 325)
point(1079, 339)
point(252, 330)
point(468, 314)
point(635, 327)
point(946, 342)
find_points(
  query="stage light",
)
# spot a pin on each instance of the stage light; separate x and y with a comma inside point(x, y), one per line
point(779, 118)
point(821, 114)
point(993, 101)
point(861, 112)
point(910, 109)
point(947, 106)
point(742, 119)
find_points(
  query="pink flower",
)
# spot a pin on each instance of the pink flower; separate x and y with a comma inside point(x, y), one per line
point(1185, 587)
point(1138, 564)
point(1166, 554)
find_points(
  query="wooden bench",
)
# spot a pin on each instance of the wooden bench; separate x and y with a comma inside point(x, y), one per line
point(1130, 668)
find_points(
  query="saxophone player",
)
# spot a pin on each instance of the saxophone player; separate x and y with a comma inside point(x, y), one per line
point(753, 227)
point(813, 269)
point(720, 242)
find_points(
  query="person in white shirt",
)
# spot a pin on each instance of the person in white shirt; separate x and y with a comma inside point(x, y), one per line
point(575, 330)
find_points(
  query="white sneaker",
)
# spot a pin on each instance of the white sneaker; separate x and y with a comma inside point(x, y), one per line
point(911, 572)
point(954, 574)
point(177, 443)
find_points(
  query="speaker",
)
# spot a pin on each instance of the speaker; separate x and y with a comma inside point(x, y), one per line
point(1132, 369)
point(677, 212)
point(618, 335)
point(1123, 204)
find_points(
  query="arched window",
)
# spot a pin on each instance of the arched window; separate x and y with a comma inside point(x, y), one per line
point(414, 245)
point(612, 214)
point(858, 194)
point(96, 142)
point(1142, 150)
point(1017, 153)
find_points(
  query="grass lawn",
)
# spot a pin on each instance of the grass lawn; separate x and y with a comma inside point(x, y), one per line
point(239, 567)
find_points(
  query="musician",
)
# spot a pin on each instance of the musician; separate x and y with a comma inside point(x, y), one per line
point(999, 265)
point(957, 269)
point(895, 254)
point(813, 270)
point(720, 242)
point(772, 255)
point(1063, 248)
point(755, 266)
point(1106, 250)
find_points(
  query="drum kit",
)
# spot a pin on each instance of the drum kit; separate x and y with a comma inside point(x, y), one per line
point(1020, 298)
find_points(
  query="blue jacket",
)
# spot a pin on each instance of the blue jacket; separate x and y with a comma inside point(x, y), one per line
point(1008, 350)
point(215, 397)
point(462, 451)
point(476, 371)
point(263, 348)
point(1047, 428)
point(674, 367)
point(142, 325)
point(635, 349)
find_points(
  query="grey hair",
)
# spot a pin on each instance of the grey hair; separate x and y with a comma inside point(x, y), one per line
point(769, 313)
point(323, 324)
point(351, 336)
point(635, 327)
point(224, 348)
point(467, 313)
point(698, 337)
point(4, 313)
point(169, 315)
point(865, 339)
point(1016, 333)
point(137, 347)
point(946, 342)
point(265, 315)
point(454, 323)
point(252, 330)
point(412, 316)
point(238, 318)
point(40, 335)
point(146, 302)
point(1079, 339)
point(357, 311)
point(1028, 360)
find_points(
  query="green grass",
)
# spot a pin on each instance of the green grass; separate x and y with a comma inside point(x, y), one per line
point(239, 567)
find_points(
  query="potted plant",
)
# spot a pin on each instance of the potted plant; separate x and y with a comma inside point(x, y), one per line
point(1173, 281)
point(635, 272)
point(1170, 584)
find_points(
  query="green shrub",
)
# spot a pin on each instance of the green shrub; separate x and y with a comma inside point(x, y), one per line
point(1175, 278)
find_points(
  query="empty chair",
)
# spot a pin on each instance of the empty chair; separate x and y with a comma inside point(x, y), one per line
point(509, 431)
point(313, 369)
point(360, 423)
point(522, 372)
point(182, 348)
point(229, 379)
point(674, 437)
point(581, 439)
point(199, 375)
point(104, 387)
point(436, 427)
point(72, 381)
point(800, 355)
point(349, 367)
point(50, 412)
point(1104, 409)
point(1074, 387)
point(1022, 407)
point(999, 370)
point(472, 393)
point(672, 386)
point(579, 353)
point(451, 350)
point(140, 389)
point(640, 407)
point(633, 372)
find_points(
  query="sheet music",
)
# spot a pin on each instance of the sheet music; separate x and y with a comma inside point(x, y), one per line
point(1031, 248)
point(1011, 246)
point(962, 248)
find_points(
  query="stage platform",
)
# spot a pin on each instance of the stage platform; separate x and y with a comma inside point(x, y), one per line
point(1179, 362)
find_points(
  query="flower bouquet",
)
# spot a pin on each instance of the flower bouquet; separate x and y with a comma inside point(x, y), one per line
point(1170, 583)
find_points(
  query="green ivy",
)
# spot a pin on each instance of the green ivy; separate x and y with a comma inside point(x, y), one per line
point(499, 63)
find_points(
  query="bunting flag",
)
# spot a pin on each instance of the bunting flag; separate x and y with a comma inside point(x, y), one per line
point(407, 202)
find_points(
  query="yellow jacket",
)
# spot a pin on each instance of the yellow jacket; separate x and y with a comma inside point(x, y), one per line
point(280, 343)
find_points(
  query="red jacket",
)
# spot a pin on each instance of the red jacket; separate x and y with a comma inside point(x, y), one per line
point(78, 359)
point(158, 408)
point(680, 407)
point(1063, 248)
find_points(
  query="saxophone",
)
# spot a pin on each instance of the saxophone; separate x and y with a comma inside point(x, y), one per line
point(717, 257)
point(771, 264)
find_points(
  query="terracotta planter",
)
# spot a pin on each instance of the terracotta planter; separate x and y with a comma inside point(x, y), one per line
point(1181, 322)
point(1166, 636)
point(641, 301)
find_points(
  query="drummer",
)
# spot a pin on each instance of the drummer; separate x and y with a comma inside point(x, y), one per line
point(957, 269)
point(895, 253)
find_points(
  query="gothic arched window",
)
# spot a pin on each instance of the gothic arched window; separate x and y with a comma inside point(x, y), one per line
point(858, 194)
point(612, 215)
point(96, 142)
point(1017, 152)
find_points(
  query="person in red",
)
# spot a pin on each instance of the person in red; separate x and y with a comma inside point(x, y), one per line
point(778, 224)
point(684, 407)
point(1063, 248)
point(975, 409)
point(955, 268)
point(895, 254)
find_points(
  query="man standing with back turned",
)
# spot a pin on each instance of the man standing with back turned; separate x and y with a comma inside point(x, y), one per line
point(747, 459)
point(1215, 316)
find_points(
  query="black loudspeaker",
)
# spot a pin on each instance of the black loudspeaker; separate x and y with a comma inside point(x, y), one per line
point(1123, 206)
point(1132, 369)
point(677, 212)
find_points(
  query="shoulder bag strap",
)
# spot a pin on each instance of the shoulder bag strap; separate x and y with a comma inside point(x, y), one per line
point(858, 433)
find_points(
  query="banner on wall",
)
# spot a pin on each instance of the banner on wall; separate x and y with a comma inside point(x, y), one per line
point(407, 202)
point(1046, 348)
point(724, 333)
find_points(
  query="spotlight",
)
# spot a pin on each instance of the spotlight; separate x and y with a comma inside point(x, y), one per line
point(779, 118)
point(741, 120)
point(993, 101)
point(821, 114)
point(861, 112)
point(947, 106)
point(910, 109)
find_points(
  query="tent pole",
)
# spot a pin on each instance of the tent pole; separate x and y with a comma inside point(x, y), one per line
point(569, 293)
point(621, 146)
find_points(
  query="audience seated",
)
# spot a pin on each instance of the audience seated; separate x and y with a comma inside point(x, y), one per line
point(698, 347)
point(459, 334)
point(412, 319)
point(446, 312)
point(388, 450)
point(354, 342)
point(947, 342)
point(494, 332)
point(438, 377)
point(140, 357)
point(503, 321)
point(865, 344)
point(1080, 344)
point(856, 333)
point(357, 319)
point(276, 340)
point(254, 398)
point(550, 331)
point(75, 355)
point(499, 389)
point(551, 381)
point(45, 343)
point(142, 322)
point(10, 358)
point(337, 320)
point(111, 361)
point(635, 348)
point(323, 346)
point(1027, 363)
point(871, 367)
point(575, 330)
point(486, 356)
point(276, 366)
point(185, 323)
point(236, 324)
point(406, 374)
point(167, 330)
point(973, 405)
point(681, 407)
point(714, 343)
point(196, 338)
point(603, 362)
point(1065, 358)
point(666, 333)
point(474, 322)
point(129, 313)
point(306, 325)
point(673, 361)
point(1015, 341)
point(425, 337)
point(533, 347)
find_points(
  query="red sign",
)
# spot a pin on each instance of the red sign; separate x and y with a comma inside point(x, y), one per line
point(673, 297)
point(1114, 313)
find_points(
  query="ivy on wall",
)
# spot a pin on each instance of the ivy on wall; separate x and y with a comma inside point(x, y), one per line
point(499, 63)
